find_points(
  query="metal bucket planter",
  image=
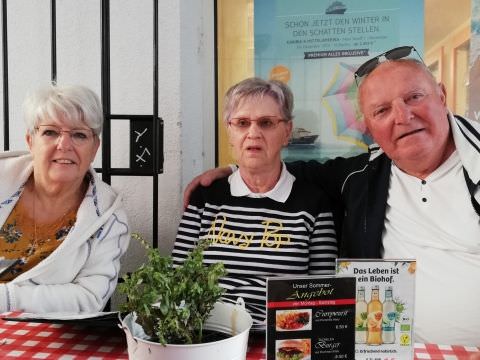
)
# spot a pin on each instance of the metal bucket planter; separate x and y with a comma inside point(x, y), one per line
point(226, 318)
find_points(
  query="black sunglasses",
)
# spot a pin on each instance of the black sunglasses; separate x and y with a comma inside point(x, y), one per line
point(393, 54)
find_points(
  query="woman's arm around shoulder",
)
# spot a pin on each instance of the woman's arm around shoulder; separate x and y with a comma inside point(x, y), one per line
point(205, 179)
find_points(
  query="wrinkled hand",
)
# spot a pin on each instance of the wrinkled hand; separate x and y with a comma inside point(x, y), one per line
point(204, 179)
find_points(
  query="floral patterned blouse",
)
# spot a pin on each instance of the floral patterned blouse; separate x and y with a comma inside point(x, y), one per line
point(24, 244)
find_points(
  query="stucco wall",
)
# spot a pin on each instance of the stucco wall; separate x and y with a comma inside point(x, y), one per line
point(186, 83)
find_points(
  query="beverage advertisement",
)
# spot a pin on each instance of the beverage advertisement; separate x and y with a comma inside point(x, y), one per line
point(310, 318)
point(384, 307)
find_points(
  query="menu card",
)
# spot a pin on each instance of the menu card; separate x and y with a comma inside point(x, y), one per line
point(310, 318)
point(384, 307)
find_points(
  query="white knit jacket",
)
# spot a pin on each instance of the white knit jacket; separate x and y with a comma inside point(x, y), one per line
point(81, 274)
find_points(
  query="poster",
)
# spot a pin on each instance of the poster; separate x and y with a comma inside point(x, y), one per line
point(473, 111)
point(315, 46)
point(384, 308)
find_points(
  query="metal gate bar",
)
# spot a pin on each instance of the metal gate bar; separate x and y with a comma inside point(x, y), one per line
point(156, 122)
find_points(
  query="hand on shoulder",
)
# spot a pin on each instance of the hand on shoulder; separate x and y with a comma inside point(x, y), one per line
point(204, 179)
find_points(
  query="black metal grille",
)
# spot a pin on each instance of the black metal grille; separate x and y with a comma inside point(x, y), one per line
point(150, 161)
point(6, 116)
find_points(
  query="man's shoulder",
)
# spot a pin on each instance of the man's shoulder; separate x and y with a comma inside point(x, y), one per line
point(337, 162)
point(344, 166)
point(351, 161)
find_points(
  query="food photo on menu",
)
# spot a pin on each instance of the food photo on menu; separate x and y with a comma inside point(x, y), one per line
point(293, 349)
point(289, 320)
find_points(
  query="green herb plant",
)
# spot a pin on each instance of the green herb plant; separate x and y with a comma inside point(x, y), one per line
point(171, 302)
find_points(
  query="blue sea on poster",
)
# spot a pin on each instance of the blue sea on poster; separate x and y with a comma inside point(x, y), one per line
point(315, 46)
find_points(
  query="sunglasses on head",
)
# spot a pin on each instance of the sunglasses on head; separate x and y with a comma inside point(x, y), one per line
point(394, 54)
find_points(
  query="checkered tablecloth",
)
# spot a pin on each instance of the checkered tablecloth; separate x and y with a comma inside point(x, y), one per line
point(30, 340)
point(256, 351)
point(444, 352)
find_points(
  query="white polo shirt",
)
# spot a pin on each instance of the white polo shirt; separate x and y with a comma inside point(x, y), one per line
point(434, 222)
point(280, 192)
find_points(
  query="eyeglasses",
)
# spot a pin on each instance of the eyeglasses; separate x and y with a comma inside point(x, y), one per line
point(52, 134)
point(393, 54)
point(265, 123)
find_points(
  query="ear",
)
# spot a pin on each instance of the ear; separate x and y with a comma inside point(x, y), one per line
point(29, 140)
point(443, 93)
point(228, 130)
point(288, 132)
point(96, 145)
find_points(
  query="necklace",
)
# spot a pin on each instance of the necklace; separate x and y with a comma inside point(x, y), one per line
point(53, 227)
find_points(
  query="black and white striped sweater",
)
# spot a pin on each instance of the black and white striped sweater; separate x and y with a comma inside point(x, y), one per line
point(257, 238)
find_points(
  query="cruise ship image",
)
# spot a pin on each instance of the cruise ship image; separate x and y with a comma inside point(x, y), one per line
point(301, 136)
point(336, 8)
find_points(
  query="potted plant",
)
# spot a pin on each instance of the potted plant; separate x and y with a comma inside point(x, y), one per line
point(174, 311)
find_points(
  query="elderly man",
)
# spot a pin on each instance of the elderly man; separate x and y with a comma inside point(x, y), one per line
point(414, 195)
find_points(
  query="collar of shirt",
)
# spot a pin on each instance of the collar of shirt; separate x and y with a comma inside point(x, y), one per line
point(279, 193)
point(442, 171)
point(466, 134)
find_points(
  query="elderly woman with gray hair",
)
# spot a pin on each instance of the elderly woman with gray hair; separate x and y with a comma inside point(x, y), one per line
point(261, 221)
point(62, 230)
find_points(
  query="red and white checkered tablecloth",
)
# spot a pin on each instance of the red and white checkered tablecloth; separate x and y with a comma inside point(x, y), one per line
point(31, 340)
point(444, 352)
point(256, 351)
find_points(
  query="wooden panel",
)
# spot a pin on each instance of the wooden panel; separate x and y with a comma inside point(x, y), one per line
point(235, 58)
point(434, 61)
point(459, 70)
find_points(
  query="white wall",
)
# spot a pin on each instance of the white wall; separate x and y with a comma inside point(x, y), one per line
point(186, 85)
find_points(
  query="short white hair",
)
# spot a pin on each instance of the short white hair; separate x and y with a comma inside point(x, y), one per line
point(257, 88)
point(75, 104)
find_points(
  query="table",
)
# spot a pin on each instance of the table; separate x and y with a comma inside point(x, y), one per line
point(32, 340)
point(256, 351)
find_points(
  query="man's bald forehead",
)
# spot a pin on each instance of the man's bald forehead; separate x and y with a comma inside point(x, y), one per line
point(414, 64)
point(381, 74)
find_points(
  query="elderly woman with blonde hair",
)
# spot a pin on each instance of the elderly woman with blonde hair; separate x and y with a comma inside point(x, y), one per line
point(261, 221)
point(62, 230)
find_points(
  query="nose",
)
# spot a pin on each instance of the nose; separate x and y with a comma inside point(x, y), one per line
point(254, 130)
point(402, 112)
point(64, 141)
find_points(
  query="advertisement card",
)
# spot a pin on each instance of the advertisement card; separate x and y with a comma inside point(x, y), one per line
point(310, 318)
point(384, 307)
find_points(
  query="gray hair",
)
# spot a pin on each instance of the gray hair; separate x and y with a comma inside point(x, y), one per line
point(418, 64)
point(74, 104)
point(257, 88)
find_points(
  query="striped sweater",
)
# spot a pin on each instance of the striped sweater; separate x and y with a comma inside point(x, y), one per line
point(256, 238)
